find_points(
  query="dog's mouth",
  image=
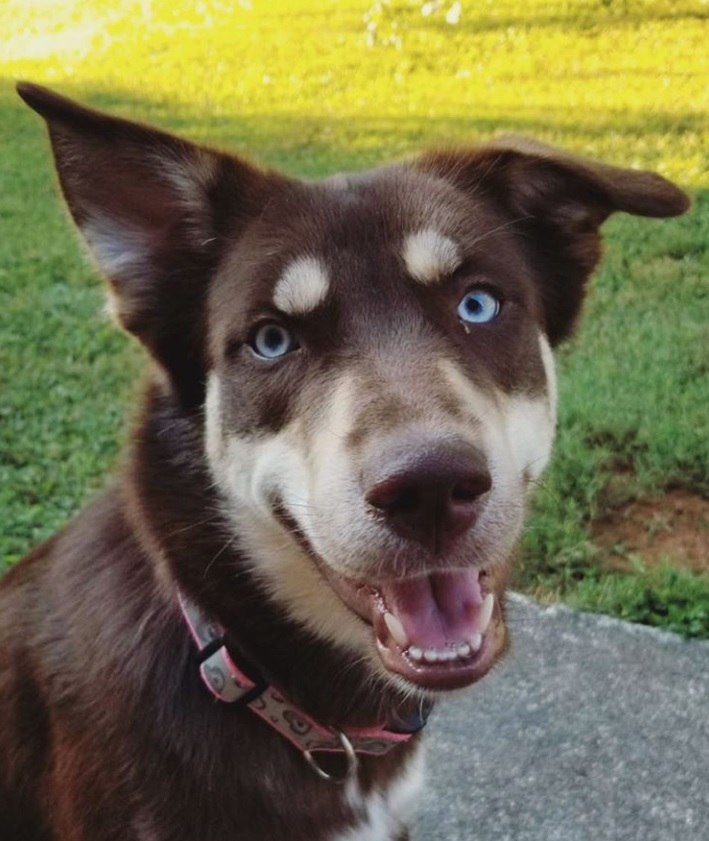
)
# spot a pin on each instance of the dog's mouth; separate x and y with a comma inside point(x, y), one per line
point(439, 631)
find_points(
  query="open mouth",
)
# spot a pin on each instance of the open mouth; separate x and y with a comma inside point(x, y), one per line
point(439, 631)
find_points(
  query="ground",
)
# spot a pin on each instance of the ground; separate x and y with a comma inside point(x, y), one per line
point(672, 526)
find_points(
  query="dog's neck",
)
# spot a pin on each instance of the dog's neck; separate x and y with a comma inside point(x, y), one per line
point(174, 509)
point(232, 681)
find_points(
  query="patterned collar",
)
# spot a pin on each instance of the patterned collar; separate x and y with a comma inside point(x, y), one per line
point(231, 684)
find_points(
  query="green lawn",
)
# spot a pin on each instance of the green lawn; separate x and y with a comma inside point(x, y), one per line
point(317, 87)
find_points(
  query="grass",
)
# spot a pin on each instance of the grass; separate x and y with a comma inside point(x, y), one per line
point(663, 597)
point(316, 87)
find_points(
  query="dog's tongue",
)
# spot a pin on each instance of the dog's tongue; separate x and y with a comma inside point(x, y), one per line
point(436, 610)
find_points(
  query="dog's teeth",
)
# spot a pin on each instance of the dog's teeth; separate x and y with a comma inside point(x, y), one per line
point(445, 655)
point(396, 629)
point(486, 613)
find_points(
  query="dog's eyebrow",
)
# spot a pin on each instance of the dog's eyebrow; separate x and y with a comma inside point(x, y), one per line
point(429, 256)
point(302, 287)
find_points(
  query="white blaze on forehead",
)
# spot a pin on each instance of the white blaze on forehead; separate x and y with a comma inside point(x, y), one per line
point(430, 256)
point(302, 287)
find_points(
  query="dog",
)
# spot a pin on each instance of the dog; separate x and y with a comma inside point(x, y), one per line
point(351, 396)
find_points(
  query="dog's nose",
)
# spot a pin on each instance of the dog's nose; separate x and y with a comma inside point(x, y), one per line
point(428, 493)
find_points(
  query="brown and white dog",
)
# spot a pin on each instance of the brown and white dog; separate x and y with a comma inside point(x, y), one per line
point(352, 393)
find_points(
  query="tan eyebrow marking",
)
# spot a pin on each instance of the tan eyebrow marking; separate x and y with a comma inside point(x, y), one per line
point(302, 287)
point(430, 256)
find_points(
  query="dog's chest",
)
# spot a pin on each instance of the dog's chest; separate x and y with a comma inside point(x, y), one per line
point(382, 815)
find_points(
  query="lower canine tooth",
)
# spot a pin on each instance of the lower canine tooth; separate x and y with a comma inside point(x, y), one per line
point(475, 642)
point(396, 629)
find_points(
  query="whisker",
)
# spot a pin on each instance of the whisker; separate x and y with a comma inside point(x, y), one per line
point(226, 545)
point(502, 227)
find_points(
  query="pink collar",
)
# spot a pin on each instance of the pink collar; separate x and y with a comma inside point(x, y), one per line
point(226, 681)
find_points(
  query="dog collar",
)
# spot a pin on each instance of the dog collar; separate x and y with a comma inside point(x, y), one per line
point(247, 687)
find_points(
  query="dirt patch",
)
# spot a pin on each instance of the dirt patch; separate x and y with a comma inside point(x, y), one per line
point(673, 527)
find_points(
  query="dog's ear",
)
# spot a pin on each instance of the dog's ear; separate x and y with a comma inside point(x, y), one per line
point(556, 202)
point(155, 211)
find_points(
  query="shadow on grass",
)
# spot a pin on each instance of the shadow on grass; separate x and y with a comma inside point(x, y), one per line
point(590, 17)
point(313, 144)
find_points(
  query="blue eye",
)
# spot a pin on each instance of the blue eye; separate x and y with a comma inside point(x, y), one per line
point(478, 307)
point(271, 341)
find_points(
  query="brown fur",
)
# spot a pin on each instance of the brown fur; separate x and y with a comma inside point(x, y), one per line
point(106, 731)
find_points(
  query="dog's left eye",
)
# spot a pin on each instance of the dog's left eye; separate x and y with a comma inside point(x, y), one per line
point(272, 340)
point(478, 307)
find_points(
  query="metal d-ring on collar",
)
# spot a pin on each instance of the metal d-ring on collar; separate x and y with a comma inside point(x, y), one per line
point(352, 762)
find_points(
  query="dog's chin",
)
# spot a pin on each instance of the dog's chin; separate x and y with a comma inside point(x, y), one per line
point(438, 632)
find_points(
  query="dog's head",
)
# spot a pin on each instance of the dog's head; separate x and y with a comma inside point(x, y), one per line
point(371, 355)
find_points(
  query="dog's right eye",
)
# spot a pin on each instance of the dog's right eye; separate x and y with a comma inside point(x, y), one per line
point(272, 340)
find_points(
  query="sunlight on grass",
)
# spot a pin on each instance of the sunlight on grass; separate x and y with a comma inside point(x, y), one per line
point(625, 80)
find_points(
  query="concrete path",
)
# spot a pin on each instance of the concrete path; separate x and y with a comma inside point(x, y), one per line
point(591, 730)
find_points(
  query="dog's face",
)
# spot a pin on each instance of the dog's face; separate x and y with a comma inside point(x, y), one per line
point(371, 356)
point(380, 398)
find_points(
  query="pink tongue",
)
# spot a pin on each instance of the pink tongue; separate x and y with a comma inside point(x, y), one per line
point(438, 609)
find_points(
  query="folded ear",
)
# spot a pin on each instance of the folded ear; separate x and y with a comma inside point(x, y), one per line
point(557, 202)
point(155, 211)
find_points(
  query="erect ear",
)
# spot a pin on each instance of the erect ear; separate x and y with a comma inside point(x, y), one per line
point(155, 211)
point(556, 202)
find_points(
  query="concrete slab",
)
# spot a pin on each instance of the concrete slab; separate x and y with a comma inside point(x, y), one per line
point(592, 730)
